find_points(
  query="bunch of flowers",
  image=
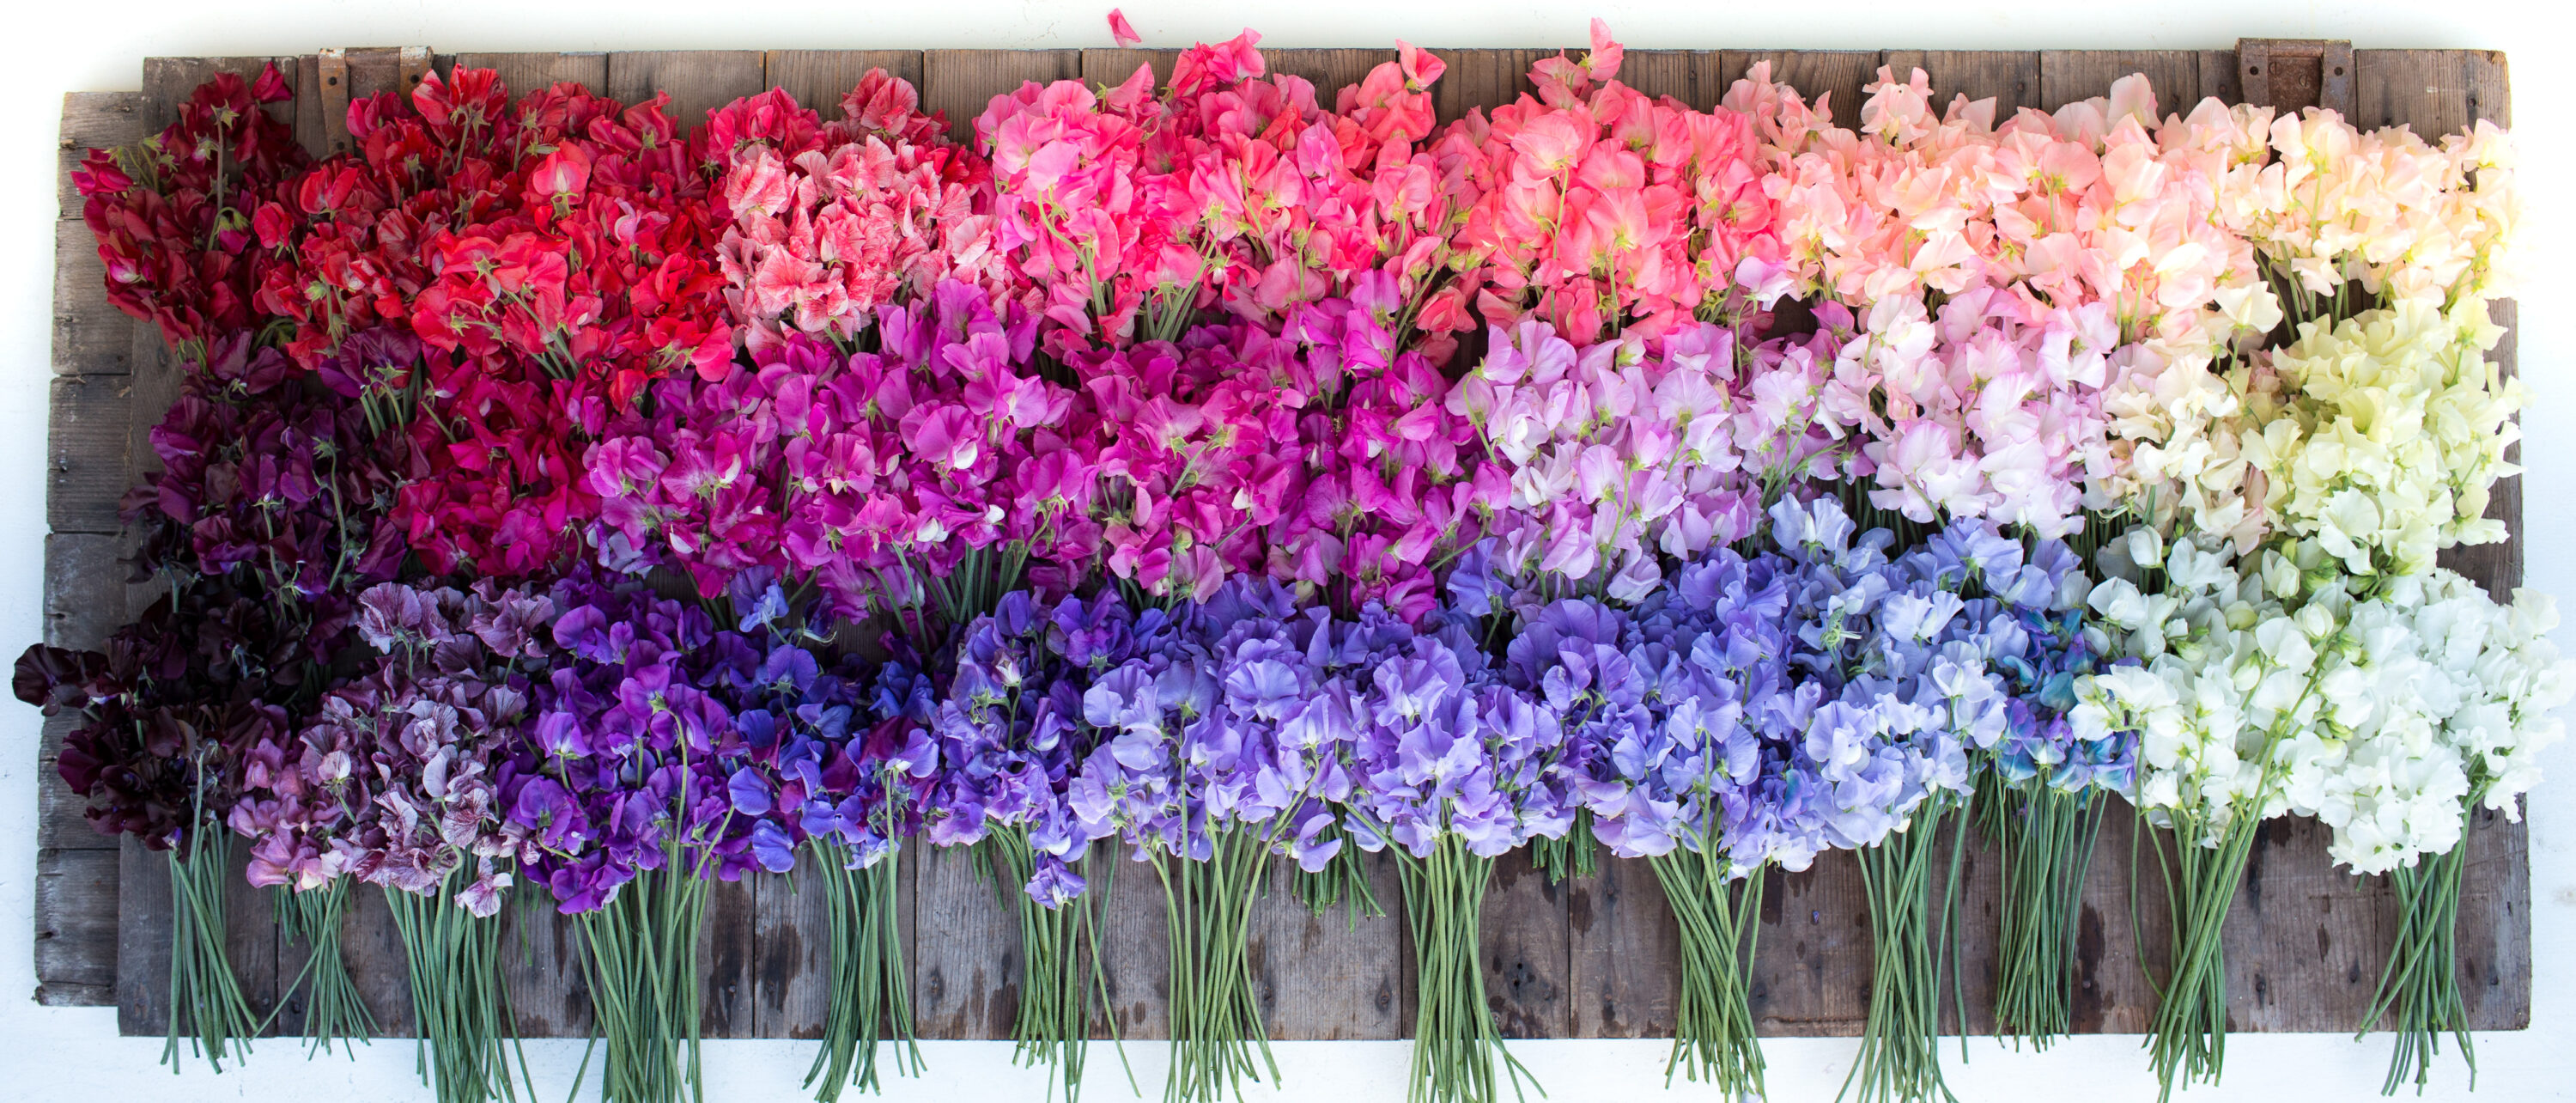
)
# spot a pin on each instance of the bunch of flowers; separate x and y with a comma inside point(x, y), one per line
point(1012, 743)
point(936, 467)
point(1129, 206)
point(396, 781)
point(1394, 483)
point(1614, 453)
point(2379, 436)
point(175, 216)
point(1600, 210)
point(834, 220)
point(1199, 453)
point(623, 790)
point(838, 762)
point(287, 483)
point(1454, 766)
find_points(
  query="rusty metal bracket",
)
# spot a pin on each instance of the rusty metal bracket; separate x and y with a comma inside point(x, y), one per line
point(2294, 73)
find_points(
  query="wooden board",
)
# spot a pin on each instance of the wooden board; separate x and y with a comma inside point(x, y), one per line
point(1591, 957)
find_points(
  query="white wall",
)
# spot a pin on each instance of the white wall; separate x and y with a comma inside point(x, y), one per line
point(50, 1054)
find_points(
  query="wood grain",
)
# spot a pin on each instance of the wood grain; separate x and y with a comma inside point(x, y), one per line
point(60, 824)
point(1527, 951)
point(2069, 76)
point(1326, 976)
point(525, 73)
point(76, 903)
point(698, 81)
point(1836, 76)
point(1482, 79)
point(2008, 77)
point(1623, 945)
point(820, 78)
point(89, 432)
point(962, 83)
point(91, 336)
point(966, 961)
point(1665, 73)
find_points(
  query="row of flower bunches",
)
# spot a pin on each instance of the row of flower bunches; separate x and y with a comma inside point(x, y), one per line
point(564, 503)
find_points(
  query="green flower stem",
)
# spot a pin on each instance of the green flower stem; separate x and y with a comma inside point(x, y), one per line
point(1576, 854)
point(2419, 989)
point(1343, 881)
point(1713, 1036)
point(333, 1010)
point(458, 1000)
point(1900, 1053)
point(871, 991)
point(1218, 1039)
point(2187, 1038)
point(641, 953)
point(2047, 834)
point(206, 1003)
point(1060, 951)
point(1455, 1042)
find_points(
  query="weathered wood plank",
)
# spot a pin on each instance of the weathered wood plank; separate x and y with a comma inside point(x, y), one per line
point(2495, 923)
point(373, 949)
point(699, 81)
point(966, 960)
point(2112, 994)
point(727, 946)
point(1135, 949)
point(1665, 73)
point(542, 967)
point(1837, 76)
point(94, 120)
point(1324, 976)
point(2219, 78)
point(142, 939)
point(962, 83)
point(1811, 963)
point(1527, 954)
point(791, 980)
point(76, 927)
point(2427, 90)
point(90, 427)
point(1484, 79)
point(86, 597)
point(819, 79)
point(60, 824)
point(91, 336)
point(2008, 77)
point(1626, 950)
point(525, 73)
point(2069, 76)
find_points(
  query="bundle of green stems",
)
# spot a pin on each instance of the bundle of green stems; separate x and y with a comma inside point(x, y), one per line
point(334, 1013)
point(1218, 1038)
point(2047, 834)
point(1720, 916)
point(871, 1001)
point(1456, 1045)
point(460, 1006)
point(1910, 936)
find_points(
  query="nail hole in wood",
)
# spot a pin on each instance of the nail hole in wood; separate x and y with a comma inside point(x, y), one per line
point(2253, 70)
point(2338, 70)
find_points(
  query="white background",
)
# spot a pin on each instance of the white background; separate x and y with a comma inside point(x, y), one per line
point(64, 1054)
